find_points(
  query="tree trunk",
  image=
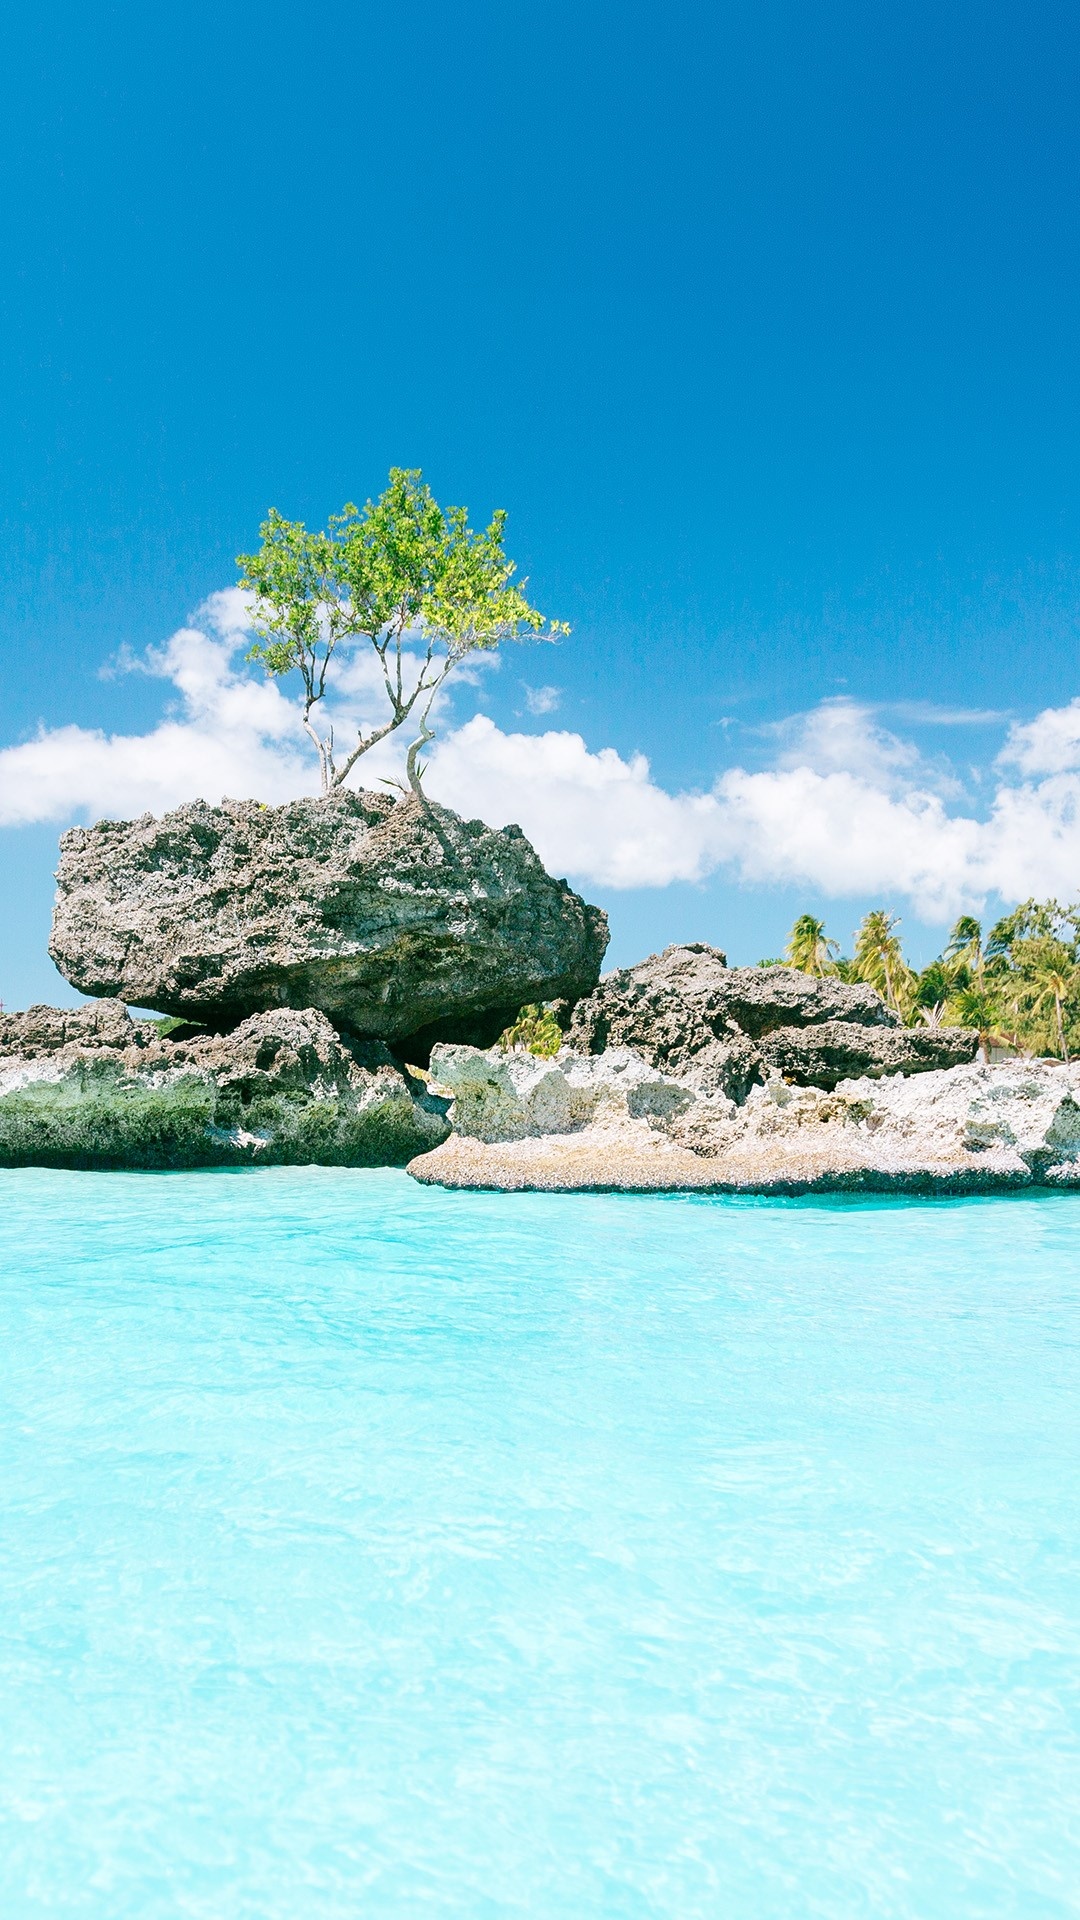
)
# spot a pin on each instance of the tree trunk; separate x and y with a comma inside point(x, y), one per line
point(413, 770)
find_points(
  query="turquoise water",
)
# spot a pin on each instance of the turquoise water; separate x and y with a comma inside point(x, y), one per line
point(371, 1550)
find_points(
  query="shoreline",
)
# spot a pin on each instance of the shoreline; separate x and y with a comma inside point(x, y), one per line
point(595, 1161)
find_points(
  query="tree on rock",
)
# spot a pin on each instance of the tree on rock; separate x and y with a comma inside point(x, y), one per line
point(415, 582)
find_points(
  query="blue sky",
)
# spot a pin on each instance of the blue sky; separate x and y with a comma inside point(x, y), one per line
point(762, 322)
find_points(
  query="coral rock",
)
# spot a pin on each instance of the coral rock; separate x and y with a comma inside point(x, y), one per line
point(723, 1028)
point(835, 1050)
point(968, 1128)
point(512, 1096)
point(397, 918)
point(94, 1088)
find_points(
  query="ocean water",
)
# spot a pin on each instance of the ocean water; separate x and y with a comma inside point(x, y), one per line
point(368, 1550)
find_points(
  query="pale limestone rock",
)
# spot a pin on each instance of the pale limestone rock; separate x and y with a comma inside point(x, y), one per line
point(1028, 1108)
point(504, 1095)
point(974, 1128)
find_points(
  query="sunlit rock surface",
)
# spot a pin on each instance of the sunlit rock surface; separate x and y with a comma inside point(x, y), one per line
point(722, 1029)
point(977, 1128)
point(510, 1096)
point(396, 917)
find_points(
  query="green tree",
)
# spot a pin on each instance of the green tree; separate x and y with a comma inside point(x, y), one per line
point(879, 958)
point(1032, 920)
point(951, 990)
point(973, 1006)
point(809, 949)
point(964, 953)
point(1032, 965)
point(1054, 984)
point(413, 581)
point(847, 970)
point(931, 992)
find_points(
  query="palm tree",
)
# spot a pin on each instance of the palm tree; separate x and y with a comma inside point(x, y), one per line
point(1030, 963)
point(879, 958)
point(808, 949)
point(974, 1007)
point(1054, 985)
point(933, 988)
point(964, 952)
point(847, 970)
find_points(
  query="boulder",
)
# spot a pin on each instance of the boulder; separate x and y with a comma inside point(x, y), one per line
point(94, 1088)
point(397, 918)
point(723, 1029)
point(41, 1031)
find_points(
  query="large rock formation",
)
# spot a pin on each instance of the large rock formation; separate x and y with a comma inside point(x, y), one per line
point(722, 1029)
point(611, 1122)
point(397, 918)
point(94, 1088)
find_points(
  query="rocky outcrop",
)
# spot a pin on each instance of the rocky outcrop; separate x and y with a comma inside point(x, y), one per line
point(974, 1127)
point(969, 1128)
point(822, 1056)
point(397, 918)
point(513, 1096)
point(722, 1029)
point(94, 1088)
point(44, 1031)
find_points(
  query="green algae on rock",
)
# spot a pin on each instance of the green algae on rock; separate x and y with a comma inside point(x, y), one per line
point(94, 1089)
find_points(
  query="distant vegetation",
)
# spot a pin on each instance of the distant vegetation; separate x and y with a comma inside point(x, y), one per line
point(1018, 986)
point(172, 1023)
point(535, 1030)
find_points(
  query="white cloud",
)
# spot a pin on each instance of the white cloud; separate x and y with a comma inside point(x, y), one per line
point(927, 713)
point(541, 700)
point(595, 816)
point(841, 736)
point(1048, 744)
point(233, 734)
point(846, 835)
point(848, 808)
